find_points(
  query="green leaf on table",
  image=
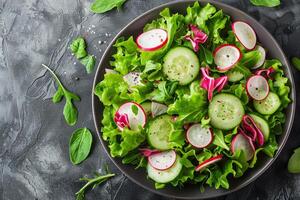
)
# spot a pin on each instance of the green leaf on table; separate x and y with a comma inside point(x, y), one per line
point(266, 3)
point(78, 48)
point(102, 6)
point(296, 62)
point(89, 63)
point(294, 162)
point(80, 145)
point(70, 111)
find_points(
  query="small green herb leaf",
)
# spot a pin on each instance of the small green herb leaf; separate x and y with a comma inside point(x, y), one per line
point(296, 62)
point(88, 62)
point(78, 48)
point(92, 182)
point(294, 162)
point(80, 145)
point(219, 139)
point(206, 55)
point(134, 109)
point(70, 111)
point(266, 3)
point(102, 6)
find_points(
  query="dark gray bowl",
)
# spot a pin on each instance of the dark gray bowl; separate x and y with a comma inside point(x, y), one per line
point(192, 191)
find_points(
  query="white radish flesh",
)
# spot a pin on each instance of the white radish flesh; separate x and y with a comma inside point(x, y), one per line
point(158, 109)
point(198, 136)
point(244, 144)
point(226, 56)
point(133, 79)
point(258, 87)
point(245, 34)
point(262, 59)
point(163, 160)
point(152, 40)
point(135, 113)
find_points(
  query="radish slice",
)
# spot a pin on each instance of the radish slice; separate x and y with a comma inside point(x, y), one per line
point(226, 56)
point(152, 40)
point(148, 152)
point(163, 160)
point(135, 116)
point(257, 87)
point(198, 136)
point(208, 162)
point(110, 71)
point(245, 34)
point(133, 79)
point(243, 143)
point(262, 59)
point(158, 109)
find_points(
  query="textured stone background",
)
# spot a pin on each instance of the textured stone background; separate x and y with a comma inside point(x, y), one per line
point(34, 162)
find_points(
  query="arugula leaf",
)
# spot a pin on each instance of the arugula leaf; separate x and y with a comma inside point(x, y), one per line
point(206, 55)
point(135, 158)
point(89, 63)
point(219, 139)
point(296, 63)
point(78, 48)
point(92, 182)
point(70, 111)
point(294, 162)
point(102, 6)
point(80, 145)
point(266, 3)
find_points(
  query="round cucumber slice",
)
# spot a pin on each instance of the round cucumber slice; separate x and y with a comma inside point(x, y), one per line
point(225, 111)
point(181, 64)
point(165, 176)
point(269, 105)
point(262, 125)
point(158, 132)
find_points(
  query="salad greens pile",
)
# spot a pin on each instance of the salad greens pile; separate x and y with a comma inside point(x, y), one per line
point(161, 96)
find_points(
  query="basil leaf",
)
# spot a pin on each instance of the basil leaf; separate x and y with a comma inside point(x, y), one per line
point(296, 62)
point(88, 62)
point(102, 6)
point(80, 145)
point(266, 3)
point(78, 48)
point(70, 111)
point(294, 162)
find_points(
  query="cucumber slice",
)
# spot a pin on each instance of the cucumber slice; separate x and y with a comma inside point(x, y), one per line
point(225, 111)
point(262, 125)
point(181, 64)
point(147, 107)
point(234, 76)
point(158, 132)
point(165, 176)
point(269, 105)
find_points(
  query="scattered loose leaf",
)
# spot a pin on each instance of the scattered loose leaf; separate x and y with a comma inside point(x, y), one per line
point(78, 48)
point(102, 6)
point(296, 62)
point(294, 162)
point(88, 62)
point(266, 3)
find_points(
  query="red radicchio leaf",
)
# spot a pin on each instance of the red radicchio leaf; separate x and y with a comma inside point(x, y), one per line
point(199, 37)
point(148, 152)
point(267, 72)
point(210, 84)
point(121, 120)
point(250, 126)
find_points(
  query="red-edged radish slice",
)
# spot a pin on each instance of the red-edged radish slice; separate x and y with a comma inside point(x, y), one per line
point(199, 136)
point(158, 109)
point(135, 114)
point(243, 143)
point(245, 34)
point(257, 87)
point(110, 71)
point(262, 59)
point(208, 162)
point(226, 56)
point(152, 40)
point(133, 79)
point(163, 160)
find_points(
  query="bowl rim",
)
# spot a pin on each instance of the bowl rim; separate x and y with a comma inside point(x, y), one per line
point(292, 96)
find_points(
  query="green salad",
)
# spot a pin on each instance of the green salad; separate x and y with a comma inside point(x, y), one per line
point(193, 99)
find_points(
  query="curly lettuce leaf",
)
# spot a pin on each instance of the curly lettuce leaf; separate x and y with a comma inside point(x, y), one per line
point(127, 57)
point(164, 91)
point(271, 147)
point(152, 71)
point(250, 58)
point(120, 142)
point(216, 24)
point(191, 106)
point(168, 22)
point(219, 139)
